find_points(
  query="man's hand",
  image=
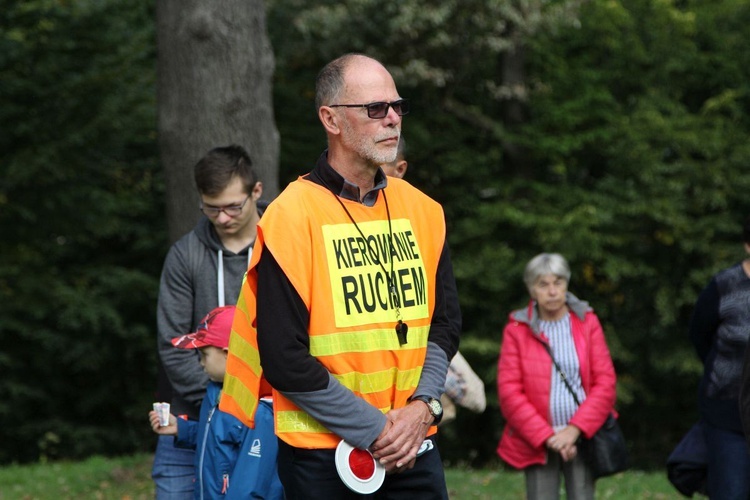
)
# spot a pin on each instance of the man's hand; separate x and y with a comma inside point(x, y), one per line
point(406, 428)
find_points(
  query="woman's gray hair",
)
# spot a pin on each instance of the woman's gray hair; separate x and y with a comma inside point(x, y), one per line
point(543, 264)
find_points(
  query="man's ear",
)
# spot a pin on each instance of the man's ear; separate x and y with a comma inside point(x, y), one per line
point(257, 191)
point(329, 119)
point(401, 166)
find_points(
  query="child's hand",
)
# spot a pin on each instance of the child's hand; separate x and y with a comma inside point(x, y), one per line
point(168, 430)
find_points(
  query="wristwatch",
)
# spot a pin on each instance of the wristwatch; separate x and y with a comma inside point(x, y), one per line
point(434, 405)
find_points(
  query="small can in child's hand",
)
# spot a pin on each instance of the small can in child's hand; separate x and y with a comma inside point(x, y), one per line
point(162, 409)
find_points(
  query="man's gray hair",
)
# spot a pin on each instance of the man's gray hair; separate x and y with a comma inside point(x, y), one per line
point(330, 81)
point(543, 264)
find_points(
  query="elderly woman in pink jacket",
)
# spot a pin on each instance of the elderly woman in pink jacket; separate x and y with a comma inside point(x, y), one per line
point(543, 422)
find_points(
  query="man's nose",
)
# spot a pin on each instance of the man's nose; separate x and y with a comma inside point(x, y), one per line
point(222, 217)
point(392, 118)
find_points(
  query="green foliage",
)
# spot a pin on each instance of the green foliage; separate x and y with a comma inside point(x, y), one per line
point(81, 247)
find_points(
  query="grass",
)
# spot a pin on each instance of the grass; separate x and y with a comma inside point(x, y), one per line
point(488, 484)
point(124, 478)
point(129, 478)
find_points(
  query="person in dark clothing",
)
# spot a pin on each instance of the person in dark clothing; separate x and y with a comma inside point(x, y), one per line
point(719, 330)
point(202, 270)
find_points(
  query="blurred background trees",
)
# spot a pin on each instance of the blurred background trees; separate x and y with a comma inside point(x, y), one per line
point(81, 225)
point(613, 132)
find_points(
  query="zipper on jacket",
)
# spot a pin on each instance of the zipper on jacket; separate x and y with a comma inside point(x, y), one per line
point(203, 451)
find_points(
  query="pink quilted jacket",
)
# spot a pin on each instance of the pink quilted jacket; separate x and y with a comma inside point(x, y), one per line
point(523, 382)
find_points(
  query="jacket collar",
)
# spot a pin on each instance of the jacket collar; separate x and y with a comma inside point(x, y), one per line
point(530, 315)
point(325, 175)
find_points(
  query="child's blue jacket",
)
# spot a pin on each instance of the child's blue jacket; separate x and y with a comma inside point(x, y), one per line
point(232, 461)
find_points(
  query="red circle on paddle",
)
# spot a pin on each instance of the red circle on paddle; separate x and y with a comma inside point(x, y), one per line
point(361, 464)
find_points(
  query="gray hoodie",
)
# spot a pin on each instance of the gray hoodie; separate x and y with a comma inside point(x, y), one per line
point(189, 289)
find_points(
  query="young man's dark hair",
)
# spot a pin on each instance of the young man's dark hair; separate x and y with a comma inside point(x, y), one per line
point(220, 165)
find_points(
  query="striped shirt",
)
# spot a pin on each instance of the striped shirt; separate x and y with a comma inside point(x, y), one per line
point(562, 405)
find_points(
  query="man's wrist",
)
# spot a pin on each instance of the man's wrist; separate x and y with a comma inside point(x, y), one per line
point(428, 419)
point(434, 407)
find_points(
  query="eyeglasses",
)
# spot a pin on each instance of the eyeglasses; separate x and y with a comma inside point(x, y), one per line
point(232, 211)
point(379, 109)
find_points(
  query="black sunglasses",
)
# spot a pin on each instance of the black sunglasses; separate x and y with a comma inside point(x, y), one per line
point(379, 110)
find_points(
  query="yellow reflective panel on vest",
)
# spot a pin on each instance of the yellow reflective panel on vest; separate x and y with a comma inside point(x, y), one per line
point(239, 400)
point(369, 383)
point(298, 421)
point(358, 281)
point(381, 339)
point(245, 351)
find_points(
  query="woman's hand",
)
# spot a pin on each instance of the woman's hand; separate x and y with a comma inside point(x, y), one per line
point(569, 453)
point(564, 442)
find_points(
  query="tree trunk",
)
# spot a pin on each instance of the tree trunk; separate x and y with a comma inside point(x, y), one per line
point(215, 67)
point(514, 111)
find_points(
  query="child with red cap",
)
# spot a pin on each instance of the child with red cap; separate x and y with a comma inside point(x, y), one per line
point(231, 460)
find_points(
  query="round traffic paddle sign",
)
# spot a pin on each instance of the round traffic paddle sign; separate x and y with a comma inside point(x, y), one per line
point(358, 469)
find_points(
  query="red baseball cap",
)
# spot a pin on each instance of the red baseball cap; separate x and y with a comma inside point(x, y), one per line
point(213, 330)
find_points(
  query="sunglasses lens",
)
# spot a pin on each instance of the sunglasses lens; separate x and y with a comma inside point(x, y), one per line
point(380, 109)
point(377, 109)
point(400, 107)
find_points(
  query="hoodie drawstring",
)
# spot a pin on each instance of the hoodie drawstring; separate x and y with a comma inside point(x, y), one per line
point(220, 279)
point(220, 274)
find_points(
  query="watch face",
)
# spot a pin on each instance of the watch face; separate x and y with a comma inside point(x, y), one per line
point(435, 407)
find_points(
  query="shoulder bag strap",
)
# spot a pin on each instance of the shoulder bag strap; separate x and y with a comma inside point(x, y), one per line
point(562, 374)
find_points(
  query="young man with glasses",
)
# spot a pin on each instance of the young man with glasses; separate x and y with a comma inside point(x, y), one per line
point(203, 270)
point(348, 282)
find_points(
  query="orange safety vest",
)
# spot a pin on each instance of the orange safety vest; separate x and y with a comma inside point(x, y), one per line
point(340, 280)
